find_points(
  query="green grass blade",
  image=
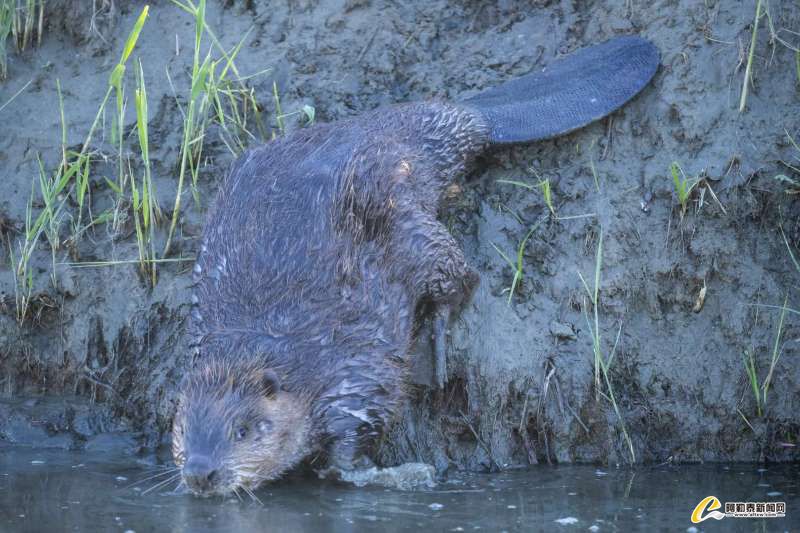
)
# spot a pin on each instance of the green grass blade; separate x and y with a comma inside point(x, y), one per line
point(521, 249)
point(598, 267)
point(518, 184)
point(748, 71)
point(133, 37)
point(752, 377)
point(504, 256)
point(776, 351)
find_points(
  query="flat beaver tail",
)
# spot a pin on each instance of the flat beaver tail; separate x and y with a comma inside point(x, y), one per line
point(568, 94)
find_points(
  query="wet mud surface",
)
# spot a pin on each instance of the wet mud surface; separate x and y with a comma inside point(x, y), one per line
point(97, 362)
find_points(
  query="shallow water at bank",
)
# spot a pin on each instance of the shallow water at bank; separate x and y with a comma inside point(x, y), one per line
point(56, 491)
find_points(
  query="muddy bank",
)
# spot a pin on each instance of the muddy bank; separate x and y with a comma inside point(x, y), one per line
point(101, 352)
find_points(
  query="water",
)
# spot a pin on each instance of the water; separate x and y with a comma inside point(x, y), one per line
point(62, 491)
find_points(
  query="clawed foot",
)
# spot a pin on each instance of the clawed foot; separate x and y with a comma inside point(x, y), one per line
point(343, 463)
point(407, 476)
point(441, 319)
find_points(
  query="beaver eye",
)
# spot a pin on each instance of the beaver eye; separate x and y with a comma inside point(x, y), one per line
point(241, 433)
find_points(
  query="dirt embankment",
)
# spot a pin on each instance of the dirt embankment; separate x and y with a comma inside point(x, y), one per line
point(100, 352)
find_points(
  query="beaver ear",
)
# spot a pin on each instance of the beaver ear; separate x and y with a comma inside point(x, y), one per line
point(271, 382)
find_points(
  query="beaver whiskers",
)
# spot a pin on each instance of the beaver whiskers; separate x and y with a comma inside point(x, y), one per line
point(158, 478)
point(235, 427)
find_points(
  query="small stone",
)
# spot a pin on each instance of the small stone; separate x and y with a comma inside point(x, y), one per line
point(562, 331)
point(67, 282)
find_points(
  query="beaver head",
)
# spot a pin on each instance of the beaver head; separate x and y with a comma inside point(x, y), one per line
point(235, 427)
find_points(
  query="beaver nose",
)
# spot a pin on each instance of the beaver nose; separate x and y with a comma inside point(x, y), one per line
point(199, 474)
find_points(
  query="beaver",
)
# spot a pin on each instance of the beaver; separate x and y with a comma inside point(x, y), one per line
point(323, 249)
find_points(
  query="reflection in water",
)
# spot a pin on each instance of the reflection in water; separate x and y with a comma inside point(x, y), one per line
point(56, 490)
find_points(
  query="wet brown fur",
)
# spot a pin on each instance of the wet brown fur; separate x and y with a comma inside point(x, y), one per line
point(318, 252)
point(231, 393)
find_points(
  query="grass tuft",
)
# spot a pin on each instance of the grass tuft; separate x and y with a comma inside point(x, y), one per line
point(21, 267)
point(116, 84)
point(145, 207)
point(23, 20)
point(70, 179)
point(602, 365)
point(6, 21)
point(543, 186)
point(683, 186)
point(752, 378)
point(776, 352)
point(216, 94)
point(517, 266)
point(307, 111)
point(761, 391)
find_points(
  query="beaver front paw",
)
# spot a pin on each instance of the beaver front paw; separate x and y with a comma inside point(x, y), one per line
point(452, 286)
point(407, 476)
